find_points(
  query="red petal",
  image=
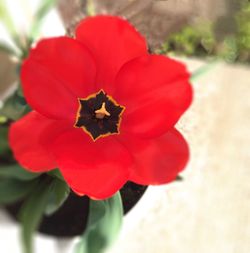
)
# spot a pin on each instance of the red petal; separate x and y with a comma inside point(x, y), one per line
point(26, 144)
point(92, 168)
point(113, 41)
point(157, 161)
point(56, 73)
point(155, 91)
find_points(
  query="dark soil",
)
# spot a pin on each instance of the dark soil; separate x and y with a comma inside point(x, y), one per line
point(71, 219)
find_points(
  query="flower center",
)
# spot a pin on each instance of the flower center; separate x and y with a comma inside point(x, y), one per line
point(99, 115)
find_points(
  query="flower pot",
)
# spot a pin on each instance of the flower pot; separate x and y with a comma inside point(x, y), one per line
point(58, 232)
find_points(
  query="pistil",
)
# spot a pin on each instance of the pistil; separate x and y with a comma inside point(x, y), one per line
point(102, 112)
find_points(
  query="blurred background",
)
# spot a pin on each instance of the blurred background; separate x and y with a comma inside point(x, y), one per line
point(206, 29)
point(209, 211)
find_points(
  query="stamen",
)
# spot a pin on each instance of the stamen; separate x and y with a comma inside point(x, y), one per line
point(102, 112)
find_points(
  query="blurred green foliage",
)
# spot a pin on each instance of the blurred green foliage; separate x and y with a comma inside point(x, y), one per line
point(14, 107)
point(6, 18)
point(4, 145)
point(243, 36)
point(104, 223)
point(201, 40)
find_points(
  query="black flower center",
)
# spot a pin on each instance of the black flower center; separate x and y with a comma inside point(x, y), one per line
point(99, 115)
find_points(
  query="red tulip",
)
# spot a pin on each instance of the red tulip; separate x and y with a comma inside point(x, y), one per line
point(104, 109)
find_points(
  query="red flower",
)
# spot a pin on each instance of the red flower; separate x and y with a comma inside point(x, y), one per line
point(104, 109)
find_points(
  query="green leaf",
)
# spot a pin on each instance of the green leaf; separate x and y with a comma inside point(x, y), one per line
point(5, 17)
point(44, 8)
point(32, 212)
point(7, 20)
point(12, 190)
point(56, 174)
point(15, 107)
point(7, 49)
point(104, 223)
point(4, 144)
point(59, 193)
point(203, 70)
point(41, 13)
point(3, 120)
point(15, 171)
